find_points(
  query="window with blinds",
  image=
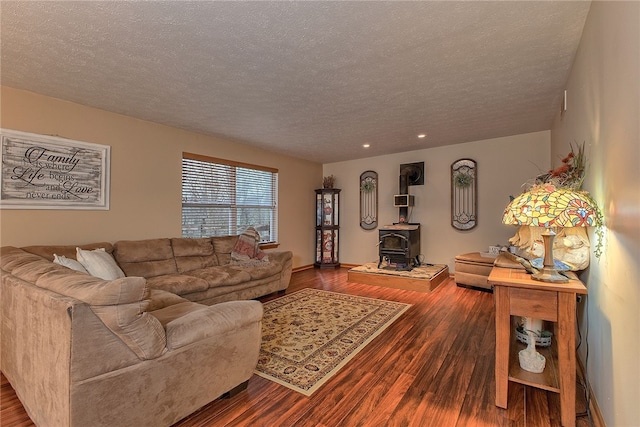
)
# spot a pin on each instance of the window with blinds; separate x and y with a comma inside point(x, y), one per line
point(221, 197)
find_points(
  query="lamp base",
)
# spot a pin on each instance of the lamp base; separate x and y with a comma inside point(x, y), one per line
point(548, 274)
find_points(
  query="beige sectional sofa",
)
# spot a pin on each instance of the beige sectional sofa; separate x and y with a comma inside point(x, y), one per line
point(200, 270)
point(147, 349)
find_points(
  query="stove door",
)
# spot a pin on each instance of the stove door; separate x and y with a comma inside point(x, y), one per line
point(393, 242)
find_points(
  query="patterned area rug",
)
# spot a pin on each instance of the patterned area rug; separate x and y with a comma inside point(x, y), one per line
point(309, 335)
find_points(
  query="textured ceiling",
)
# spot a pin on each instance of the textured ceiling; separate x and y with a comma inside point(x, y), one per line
point(313, 80)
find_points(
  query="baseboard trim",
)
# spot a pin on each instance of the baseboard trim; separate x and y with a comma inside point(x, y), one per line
point(310, 266)
point(594, 409)
point(349, 265)
point(302, 268)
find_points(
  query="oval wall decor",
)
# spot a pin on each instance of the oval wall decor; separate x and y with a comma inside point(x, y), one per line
point(369, 200)
point(464, 189)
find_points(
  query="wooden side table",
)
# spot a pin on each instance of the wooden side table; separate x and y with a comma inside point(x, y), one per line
point(517, 294)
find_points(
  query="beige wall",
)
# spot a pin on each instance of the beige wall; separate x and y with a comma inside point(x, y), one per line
point(504, 164)
point(145, 178)
point(603, 94)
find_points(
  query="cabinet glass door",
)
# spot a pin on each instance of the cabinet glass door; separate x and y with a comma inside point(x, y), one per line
point(327, 228)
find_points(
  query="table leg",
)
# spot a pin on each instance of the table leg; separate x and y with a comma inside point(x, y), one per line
point(503, 331)
point(566, 340)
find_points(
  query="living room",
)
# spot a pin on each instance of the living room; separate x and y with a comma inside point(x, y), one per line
point(602, 111)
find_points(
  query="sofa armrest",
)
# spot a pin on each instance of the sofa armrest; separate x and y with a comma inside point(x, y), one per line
point(213, 321)
point(280, 257)
point(285, 259)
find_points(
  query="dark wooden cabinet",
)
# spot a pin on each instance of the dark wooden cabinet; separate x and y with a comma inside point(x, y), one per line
point(327, 227)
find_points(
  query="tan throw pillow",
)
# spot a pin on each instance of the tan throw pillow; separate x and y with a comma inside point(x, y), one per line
point(99, 263)
point(69, 263)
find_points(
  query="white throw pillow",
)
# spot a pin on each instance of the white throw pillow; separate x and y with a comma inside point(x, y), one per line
point(99, 263)
point(69, 263)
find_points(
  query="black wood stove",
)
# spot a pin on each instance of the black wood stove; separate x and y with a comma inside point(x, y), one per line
point(400, 245)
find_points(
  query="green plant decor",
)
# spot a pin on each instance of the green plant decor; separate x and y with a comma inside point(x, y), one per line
point(599, 227)
point(368, 185)
point(462, 180)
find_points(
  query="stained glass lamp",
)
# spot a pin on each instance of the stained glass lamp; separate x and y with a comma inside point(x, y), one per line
point(550, 207)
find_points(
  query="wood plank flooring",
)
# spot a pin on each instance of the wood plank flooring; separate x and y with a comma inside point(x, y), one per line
point(433, 367)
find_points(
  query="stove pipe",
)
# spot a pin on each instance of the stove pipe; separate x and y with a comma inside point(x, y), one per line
point(410, 174)
point(403, 212)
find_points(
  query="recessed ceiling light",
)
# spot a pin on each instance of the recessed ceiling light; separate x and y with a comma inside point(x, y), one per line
point(366, 145)
point(422, 135)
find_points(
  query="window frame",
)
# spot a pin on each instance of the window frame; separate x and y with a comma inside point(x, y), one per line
point(232, 205)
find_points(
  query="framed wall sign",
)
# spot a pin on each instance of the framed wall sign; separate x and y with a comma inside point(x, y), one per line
point(48, 172)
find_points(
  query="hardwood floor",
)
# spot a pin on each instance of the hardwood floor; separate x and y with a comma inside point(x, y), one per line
point(433, 367)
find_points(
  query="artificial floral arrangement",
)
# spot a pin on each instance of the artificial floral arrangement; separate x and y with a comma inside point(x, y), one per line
point(368, 185)
point(570, 175)
point(328, 181)
point(463, 180)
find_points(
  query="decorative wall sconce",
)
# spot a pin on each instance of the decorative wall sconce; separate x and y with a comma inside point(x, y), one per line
point(464, 189)
point(369, 200)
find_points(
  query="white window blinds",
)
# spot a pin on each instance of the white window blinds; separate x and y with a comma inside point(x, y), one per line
point(221, 197)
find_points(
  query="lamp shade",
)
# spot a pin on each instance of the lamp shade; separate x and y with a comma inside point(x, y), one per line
point(547, 206)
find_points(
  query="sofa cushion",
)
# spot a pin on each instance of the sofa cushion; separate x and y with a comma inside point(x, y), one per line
point(179, 284)
point(31, 269)
point(137, 328)
point(212, 321)
point(172, 312)
point(146, 258)
point(222, 275)
point(223, 246)
point(262, 270)
point(161, 299)
point(93, 290)
point(193, 254)
point(99, 263)
point(12, 257)
point(68, 251)
point(184, 246)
